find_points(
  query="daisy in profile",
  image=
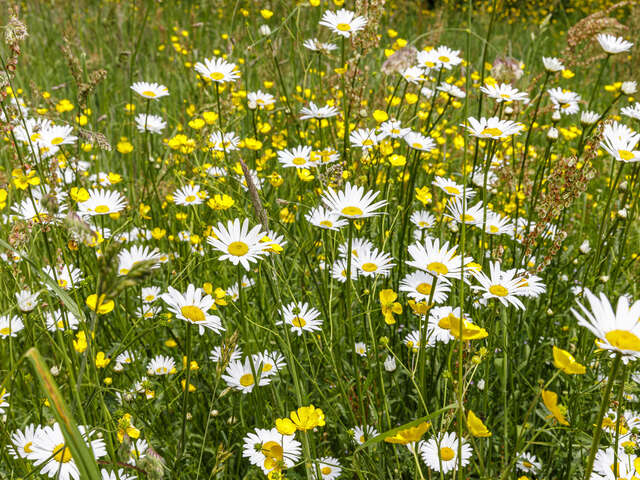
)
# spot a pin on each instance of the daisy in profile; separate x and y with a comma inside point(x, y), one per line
point(313, 111)
point(620, 142)
point(451, 90)
point(441, 453)
point(234, 290)
point(161, 365)
point(150, 294)
point(315, 45)
point(50, 452)
point(260, 99)
point(358, 247)
point(57, 320)
point(437, 260)
point(150, 91)
point(10, 326)
point(339, 270)
point(66, 276)
point(492, 128)
point(300, 318)
point(612, 44)
point(414, 341)
point(447, 58)
point(423, 220)
point(22, 441)
point(4, 403)
point(419, 285)
point(218, 353)
point(564, 101)
point(102, 202)
point(150, 123)
point(343, 22)
point(217, 70)
point(129, 258)
point(224, 142)
point(270, 450)
point(528, 463)
point(125, 358)
point(419, 142)
point(371, 263)
point(365, 138)
point(112, 475)
point(323, 218)
point(496, 224)
point(297, 157)
point(393, 129)
point(238, 244)
point(352, 202)
point(552, 64)
point(632, 111)
point(504, 286)
point(189, 195)
point(192, 306)
point(239, 376)
point(504, 93)
point(363, 433)
point(26, 300)
point(329, 468)
point(268, 363)
point(413, 75)
point(452, 188)
point(361, 349)
point(462, 213)
point(617, 331)
point(605, 463)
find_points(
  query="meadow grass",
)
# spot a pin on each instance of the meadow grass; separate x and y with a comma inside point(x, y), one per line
point(319, 239)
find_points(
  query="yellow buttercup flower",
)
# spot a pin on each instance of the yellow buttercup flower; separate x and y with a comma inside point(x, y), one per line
point(100, 306)
point(285, 426)
point(307, 418)
point(476, 427)
point(564, 361)
point(550, 400)
point(409, 435)
point(389, 305)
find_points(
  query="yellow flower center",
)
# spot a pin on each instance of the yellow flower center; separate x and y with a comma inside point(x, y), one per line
point(416, 145)
point(267, 367)
point(27, 448)
point(190, 198)
point(438, 267)
point(443, 59)
point(5, 331)
point(326, 223)
point(238, 249)
point(193, 313)
point(424, 289)
point(160, 370)
point(61, 453)
point(468, 218)
point(124, 271)
point(493, 132)
point(452, 190)
point(102, 209)
point(623, 340)
point(325, 470)
point(369, 267)
point(493, 229)
point(246, 380)
point(62, 282)
point(504, 95)
point(447, 454)
point(351, 211)
point(527, 464)
point(148, 93)
point(298, 322)
point(149, 298)
point(343, 27)
point(216, 76)
point(299, 161)
point(498, 291)
point(57, 141)
point(626, 155)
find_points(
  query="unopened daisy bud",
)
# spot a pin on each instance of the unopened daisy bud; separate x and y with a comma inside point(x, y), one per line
point(588, 117)
point(623, 186)
point(604, 278)
point(231, 420)
point(564, 277)
point(556, 116)
point(629, 88)
point(214, 413)
point(585, 247)
point(508, 110)
point(549, 312)
point(552, 133)
point(453, 226)
point(552, 64)
point(264, 30)
point(622, 213)
point(481, 384)
point(189, 416)
point(390, 363)
point(55, 371)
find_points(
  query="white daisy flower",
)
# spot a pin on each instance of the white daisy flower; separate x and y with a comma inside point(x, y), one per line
point(329, 468)
point(552, 64)
point(393, 129)
point(239, 376)
point(150, 123)
point(313, 111)
point(150, 91)
point(260, 99)
point(268, 363)
point(419, 286)
point(436, 259)
point(22, 441)
point(269, 449)
point(339, 270)
point(620, 142)
point(102, 202)
point(217, 354)
point(504, 286)
point(189, 195)
point(564, 101)
point(371, 263)
point(192, 306)
point(224, 142)
point(419, 142)
point(315, 45)
point(528, 463)
point(423, 220)
point(238, 244)
point(129, 258)
point(150, 294)
point(612, 44)
point(59, 320)
point(66, 276)
point(161, 365)
point(352, 202)
point(300, 317)
point(504, 93)
point(441, 453)
point(363, 433)
point(343, 22)
point(493, 127)
point(323, 218)
point(452, 188)
point(297, 157)
point(217, 70)
point(10, 326)
point(26, 300)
